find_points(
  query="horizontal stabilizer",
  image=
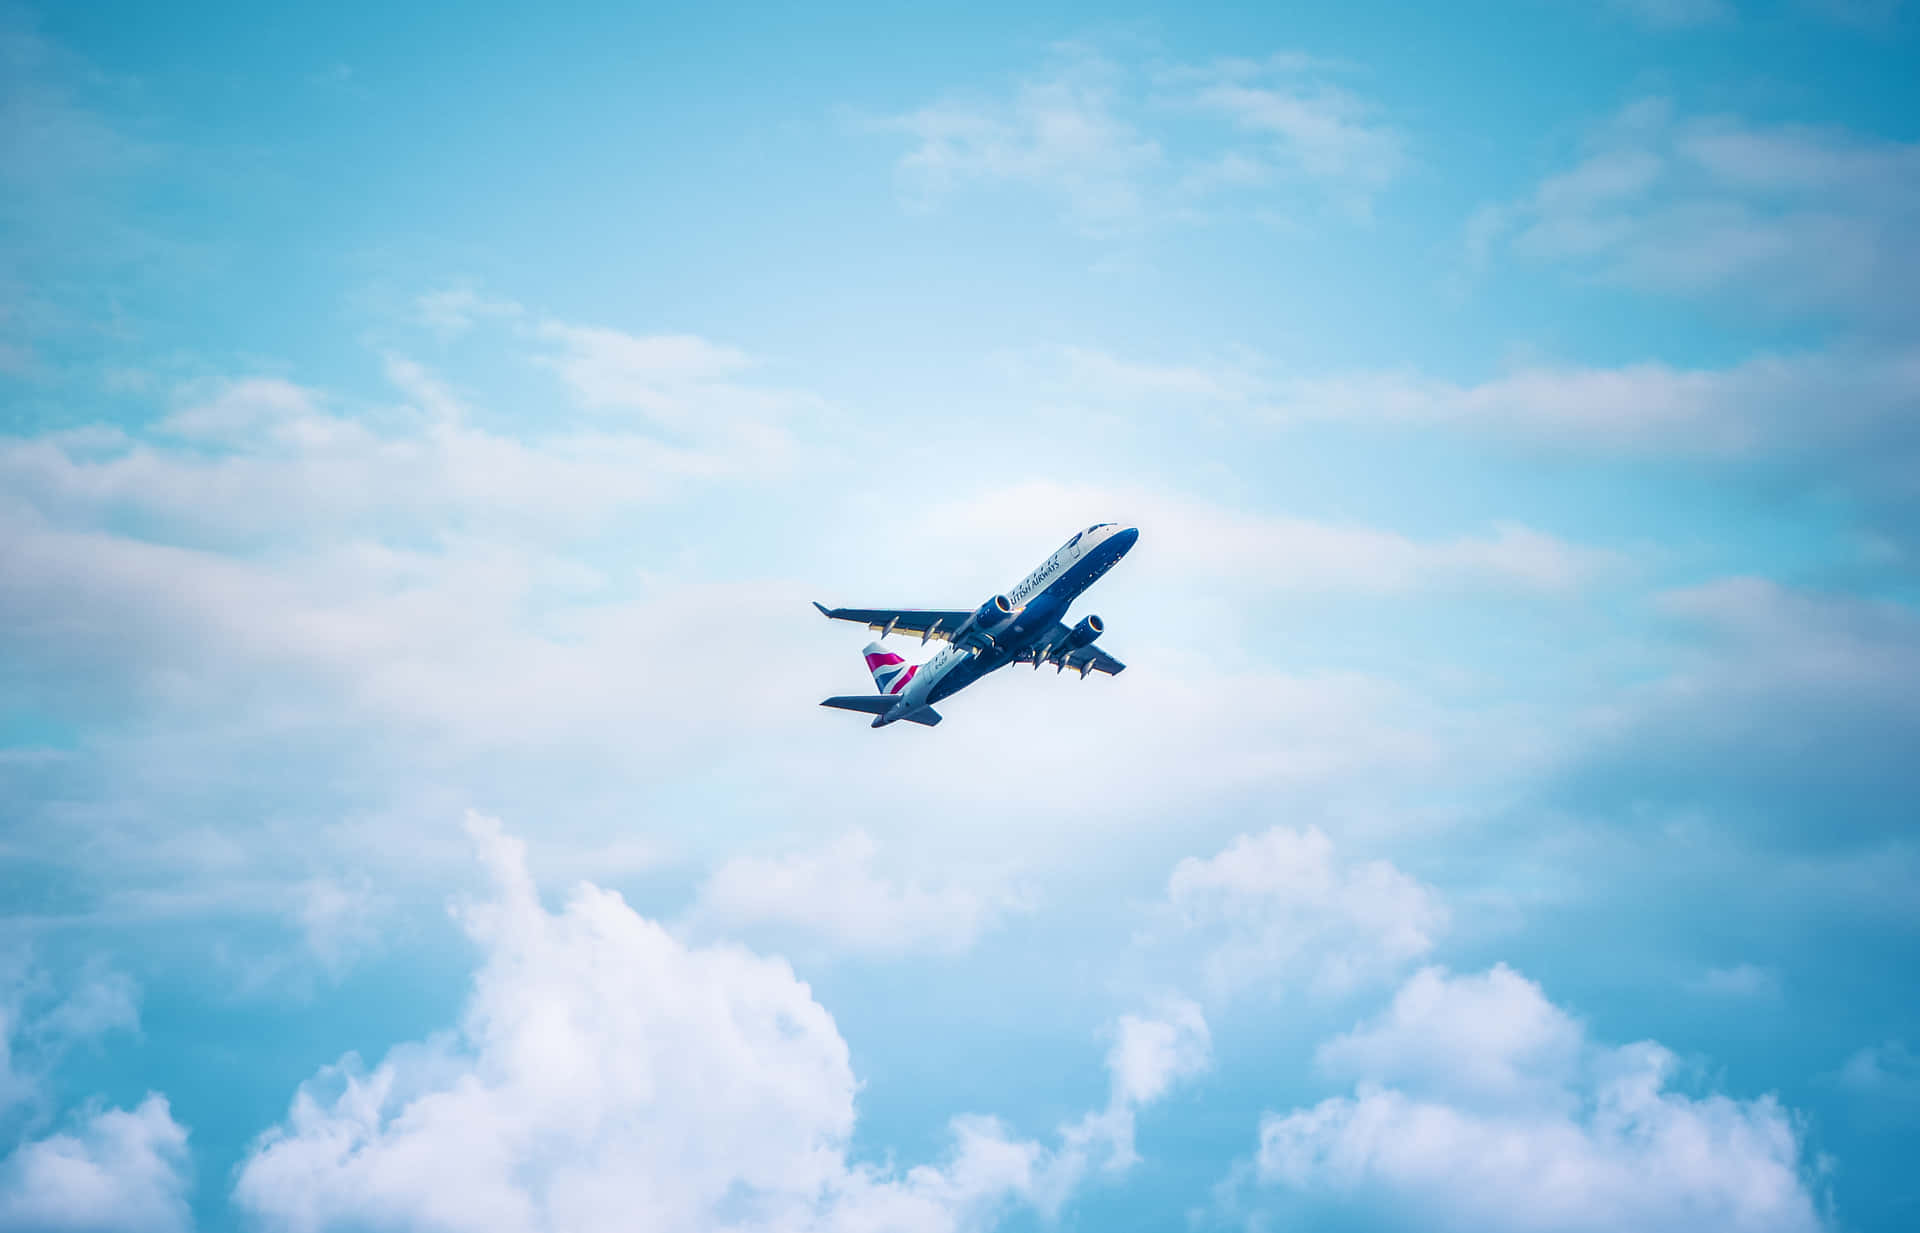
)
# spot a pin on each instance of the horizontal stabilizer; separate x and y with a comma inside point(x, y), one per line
point(880, 704)
point(871, 704)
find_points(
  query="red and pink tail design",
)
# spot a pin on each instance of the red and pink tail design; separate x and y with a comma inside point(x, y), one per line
point(890, 672)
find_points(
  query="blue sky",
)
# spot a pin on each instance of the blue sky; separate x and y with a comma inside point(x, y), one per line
point(421, 433)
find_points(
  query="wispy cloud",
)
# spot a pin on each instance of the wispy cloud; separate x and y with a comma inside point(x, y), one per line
point(1062, 131)
point(837, 895)
point(453, 310)
point(1785, 218)
point(1674, 14)
point(1241, 550)
point(1304, 126)
point(1742, 981)
point(1885, 1078)
point(1099, 133)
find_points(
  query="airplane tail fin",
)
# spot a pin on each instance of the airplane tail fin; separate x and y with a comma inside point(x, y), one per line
point(890, 672)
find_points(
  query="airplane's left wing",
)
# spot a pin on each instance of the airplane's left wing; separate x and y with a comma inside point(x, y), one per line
point(927, 622)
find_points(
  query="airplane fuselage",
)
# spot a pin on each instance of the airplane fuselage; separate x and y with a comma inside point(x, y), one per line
point(1040, 602)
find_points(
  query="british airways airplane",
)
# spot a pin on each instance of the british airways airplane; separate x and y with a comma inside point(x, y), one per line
point(1024, 626)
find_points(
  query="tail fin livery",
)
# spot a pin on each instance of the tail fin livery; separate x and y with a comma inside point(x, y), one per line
point(890, 672)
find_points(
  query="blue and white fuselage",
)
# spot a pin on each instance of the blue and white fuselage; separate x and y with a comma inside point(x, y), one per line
point(1024, 625)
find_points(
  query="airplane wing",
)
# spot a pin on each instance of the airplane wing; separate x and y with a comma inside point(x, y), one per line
point(927, 622)
point(1085, 660)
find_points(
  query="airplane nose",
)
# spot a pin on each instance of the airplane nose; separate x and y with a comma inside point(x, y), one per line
point(1126, 538)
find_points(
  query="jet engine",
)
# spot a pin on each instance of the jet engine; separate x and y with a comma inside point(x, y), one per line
point(978, 631)
point(992, 615)
point(1083, 634)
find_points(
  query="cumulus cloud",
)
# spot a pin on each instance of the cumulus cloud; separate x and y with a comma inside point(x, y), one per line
point(115, 1169)
point(1478, 1104)
point(105, 1168)
point(837, 895)
point(1150, 1054)
point(1280, 907)
point(602, 1067)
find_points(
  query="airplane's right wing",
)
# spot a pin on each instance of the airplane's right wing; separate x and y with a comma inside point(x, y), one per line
point(1086, 659)
point(927, 622)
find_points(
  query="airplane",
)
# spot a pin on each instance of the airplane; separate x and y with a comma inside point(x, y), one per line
point(1023, 626)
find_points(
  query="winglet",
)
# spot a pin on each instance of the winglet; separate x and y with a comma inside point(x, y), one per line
point(824, 610)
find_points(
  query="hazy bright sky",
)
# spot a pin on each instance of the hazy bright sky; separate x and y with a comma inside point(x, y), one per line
point(422, 429)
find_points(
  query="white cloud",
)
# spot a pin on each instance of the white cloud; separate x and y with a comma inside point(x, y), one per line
point(1280, 907)
point(1481, 1105)
point(601, 1067)
point(1784, 218)
point(1087, 130)
point(339, 919)
point(1675, 14)
point(1151, 1053)
point(1825, 421)
point(453, 310)
point(40, 1022)
point(1758, 407)
point(259, 457)
point(402, 605)
point(1817, 415)
point(1489, 1040)
point(1885, 1076)
point(116, 1169)
point(1061, 131)
point(1769, 665)
point(836, 894)
point(1743, 980)
point(686, 385)
point(1330, 135)
point(1277, 552)
point(109, 1169)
